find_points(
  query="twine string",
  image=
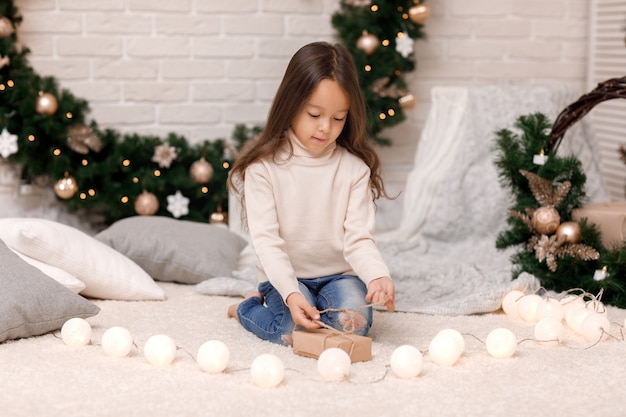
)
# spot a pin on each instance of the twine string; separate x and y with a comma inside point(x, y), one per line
point(354, 317)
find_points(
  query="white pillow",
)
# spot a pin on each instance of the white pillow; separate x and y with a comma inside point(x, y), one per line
point(106, 273)
point(64, 278)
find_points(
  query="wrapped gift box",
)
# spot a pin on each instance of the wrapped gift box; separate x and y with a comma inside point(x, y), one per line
point(609, 218)
point(312, 343)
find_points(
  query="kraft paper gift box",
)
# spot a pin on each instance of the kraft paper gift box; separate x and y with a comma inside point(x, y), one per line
point(312, 343)
point(609, 218)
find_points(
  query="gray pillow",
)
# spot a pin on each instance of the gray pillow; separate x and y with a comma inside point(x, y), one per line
point(175, 250)
point(32, 303)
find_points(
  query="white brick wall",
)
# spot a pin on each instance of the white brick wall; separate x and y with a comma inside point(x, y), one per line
point(197, 67)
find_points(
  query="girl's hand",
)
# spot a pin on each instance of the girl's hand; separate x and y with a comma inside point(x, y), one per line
point(302, 312)
point(381, 291)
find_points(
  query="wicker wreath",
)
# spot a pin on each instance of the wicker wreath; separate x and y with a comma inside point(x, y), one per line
point(606, 90)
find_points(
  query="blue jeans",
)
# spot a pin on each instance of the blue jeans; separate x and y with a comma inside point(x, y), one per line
point(271, 320)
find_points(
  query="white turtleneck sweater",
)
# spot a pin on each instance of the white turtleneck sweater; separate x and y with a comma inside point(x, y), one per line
point(311, 215)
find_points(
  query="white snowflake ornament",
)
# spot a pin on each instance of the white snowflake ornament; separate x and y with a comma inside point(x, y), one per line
point(404, 45)
point(164, 154)
point(178, 204)
point(8, 143)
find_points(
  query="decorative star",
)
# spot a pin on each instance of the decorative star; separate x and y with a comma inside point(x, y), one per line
point(178, 204)
point(404, 45)
point(164, 154)
point(8, 143)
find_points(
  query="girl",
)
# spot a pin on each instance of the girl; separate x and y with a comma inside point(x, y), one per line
point(307, 187)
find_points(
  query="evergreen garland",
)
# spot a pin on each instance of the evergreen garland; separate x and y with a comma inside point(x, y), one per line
point(108, 169)
point(572, 268)
point(390, 28)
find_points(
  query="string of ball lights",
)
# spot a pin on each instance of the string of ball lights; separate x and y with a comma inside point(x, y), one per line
point(583, 313)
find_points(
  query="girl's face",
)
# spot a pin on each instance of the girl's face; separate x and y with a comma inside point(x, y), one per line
point(322, 118)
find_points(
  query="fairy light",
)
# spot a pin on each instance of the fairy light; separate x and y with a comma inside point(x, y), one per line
point(31, 138)
point(85, 162)
point(374, 8)
point(124, 199)
point(368, 68)
point(56, 152)
point(391, 112)
point(385, 42)
point(225, 165)
point(204, 190)
point(82, 196)
point(382, 116)
point(91, 192)
point(157, 173)
point(69, 115)
point(135, 180)
point(126, 162)
point(406, 361)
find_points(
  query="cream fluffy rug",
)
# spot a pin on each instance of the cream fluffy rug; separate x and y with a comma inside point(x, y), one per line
point(41, 376)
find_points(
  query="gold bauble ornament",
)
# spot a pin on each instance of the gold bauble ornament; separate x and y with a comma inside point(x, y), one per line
point(419, 13)
point(368, 43)
point(146, 204)
point(546, 220)
point(66, 187)
point(201, 171)
point(6, 27)
point(46, 104)
point(407, 101)
point(570, 231)
point(218, 217)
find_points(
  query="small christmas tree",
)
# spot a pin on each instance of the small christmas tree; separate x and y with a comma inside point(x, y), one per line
point(560, 252)
point(381, 37)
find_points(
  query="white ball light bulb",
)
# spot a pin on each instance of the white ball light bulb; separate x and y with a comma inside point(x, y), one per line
point(598, 307)
point(549, 331)
point(571, 302)
point(501, 343)
point(76, 332)
point(406, 361)
point(509, 303)
point(444, 349)
point(549, 308)
point(575, 316)
point(213, 356)
point(117, 342)
point(160, 350)
point(456, 335)
point(267, 371)
point(334, 364)
point(595, 326)
point(527, 306)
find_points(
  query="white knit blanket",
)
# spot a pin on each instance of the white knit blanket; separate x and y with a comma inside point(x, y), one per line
point(443, 257)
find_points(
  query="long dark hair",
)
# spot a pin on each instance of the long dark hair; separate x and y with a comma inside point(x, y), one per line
point(309, 65)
